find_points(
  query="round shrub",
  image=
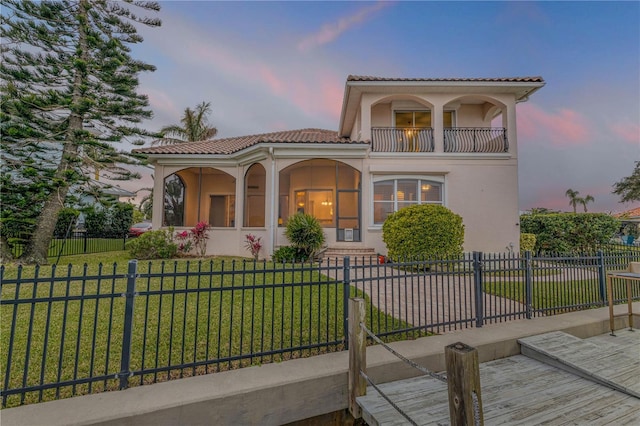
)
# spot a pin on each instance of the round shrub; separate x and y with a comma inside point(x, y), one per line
point(153, 245)
point(305, 233)
point(423, 230)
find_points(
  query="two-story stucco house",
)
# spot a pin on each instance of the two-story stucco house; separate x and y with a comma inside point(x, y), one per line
point(400, 141)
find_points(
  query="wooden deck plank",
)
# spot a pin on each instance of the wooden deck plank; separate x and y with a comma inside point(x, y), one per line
point(610, 360)
point(520, 390)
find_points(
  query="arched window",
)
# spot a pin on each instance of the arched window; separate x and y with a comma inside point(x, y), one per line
point(254, 189)
point(174, 191)
point(391, 195)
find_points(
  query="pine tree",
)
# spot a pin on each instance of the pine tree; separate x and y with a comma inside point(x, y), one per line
point(68, 95)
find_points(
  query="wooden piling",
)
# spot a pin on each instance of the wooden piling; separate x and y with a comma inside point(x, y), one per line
point(463, 381)
point(357, 355)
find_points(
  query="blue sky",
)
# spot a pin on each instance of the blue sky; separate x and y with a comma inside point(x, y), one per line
point(268, 66)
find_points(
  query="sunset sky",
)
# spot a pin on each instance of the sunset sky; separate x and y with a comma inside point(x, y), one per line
point(268, 66)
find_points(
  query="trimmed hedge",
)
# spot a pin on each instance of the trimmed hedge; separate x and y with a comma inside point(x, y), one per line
point(423, 230)
point(527, 242)
point(569, 232)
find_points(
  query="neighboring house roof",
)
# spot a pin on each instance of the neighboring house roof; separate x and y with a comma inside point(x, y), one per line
point(232, 145)
point(634, 213)
point(488, 80)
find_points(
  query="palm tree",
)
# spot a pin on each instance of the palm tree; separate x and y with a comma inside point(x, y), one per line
point(194, 127)
point(586, 200)
point(574, 200)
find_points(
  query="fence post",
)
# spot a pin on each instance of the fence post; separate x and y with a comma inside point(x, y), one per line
point(602, 278)
point(463, 382)
point(85, 242)
point(357, 355)
point(128, 324)
point(346, 279)
point(477, 278)
point(528, 284)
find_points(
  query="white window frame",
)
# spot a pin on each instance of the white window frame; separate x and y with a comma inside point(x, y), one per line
point(428, 179)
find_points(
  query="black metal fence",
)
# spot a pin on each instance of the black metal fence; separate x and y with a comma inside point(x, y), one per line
point(77, 243)
point(77, 330)
point(393, 139)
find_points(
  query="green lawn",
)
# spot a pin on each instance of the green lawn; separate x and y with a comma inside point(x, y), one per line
point(551, 295)
point(177, 320)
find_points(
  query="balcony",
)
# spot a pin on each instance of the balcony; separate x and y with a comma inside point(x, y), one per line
point(456, 139)
point(393, 139)
point(476, 139)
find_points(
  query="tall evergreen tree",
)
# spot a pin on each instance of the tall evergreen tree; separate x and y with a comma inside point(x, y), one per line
point(628, 188)
point(68, 94)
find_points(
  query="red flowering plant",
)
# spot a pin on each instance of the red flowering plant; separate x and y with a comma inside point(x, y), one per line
point(184, 242)
point(196, 238)
point(253, 244)
point(199, 236)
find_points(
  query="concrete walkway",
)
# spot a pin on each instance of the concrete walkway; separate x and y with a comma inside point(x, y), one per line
point(442, 301)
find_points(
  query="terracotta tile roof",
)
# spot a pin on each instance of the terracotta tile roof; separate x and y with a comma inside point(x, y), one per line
point(488, 80)
point(635, 212)
point(231, 145)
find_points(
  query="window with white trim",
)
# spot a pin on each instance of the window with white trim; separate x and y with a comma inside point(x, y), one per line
point(391, 195)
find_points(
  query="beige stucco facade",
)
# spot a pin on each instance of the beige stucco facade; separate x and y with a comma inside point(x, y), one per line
point(468, 152)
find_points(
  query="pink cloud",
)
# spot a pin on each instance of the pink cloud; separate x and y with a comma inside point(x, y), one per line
point(563, 127)
point(331, 31)
point(628, 132)
point(160, 101)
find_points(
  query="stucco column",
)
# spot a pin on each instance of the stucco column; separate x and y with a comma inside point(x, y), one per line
point(437, 114)
point(239, 215)
point(158, 197)
point(365, 117)
point(512, 132)
point(271, 199)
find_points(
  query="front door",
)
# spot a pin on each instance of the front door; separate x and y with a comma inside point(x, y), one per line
point(348, 215)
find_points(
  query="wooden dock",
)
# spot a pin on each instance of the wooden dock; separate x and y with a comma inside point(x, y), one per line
point(565, 380)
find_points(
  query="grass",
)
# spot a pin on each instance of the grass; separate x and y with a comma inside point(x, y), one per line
point(559, 296)
point(74, 329)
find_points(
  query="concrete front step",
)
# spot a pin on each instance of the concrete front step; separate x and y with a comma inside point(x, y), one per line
point(358, 254)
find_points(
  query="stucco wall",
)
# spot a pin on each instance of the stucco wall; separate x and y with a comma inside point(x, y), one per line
point(483, 192)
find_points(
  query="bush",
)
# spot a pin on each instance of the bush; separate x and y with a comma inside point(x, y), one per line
point(120, 219)
point(305, 233)
point(424, 230)
point(288, 254)
point(527, 242)
point(569, 232)
point(66, 217)
point(153, 245)
point(95, 221)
